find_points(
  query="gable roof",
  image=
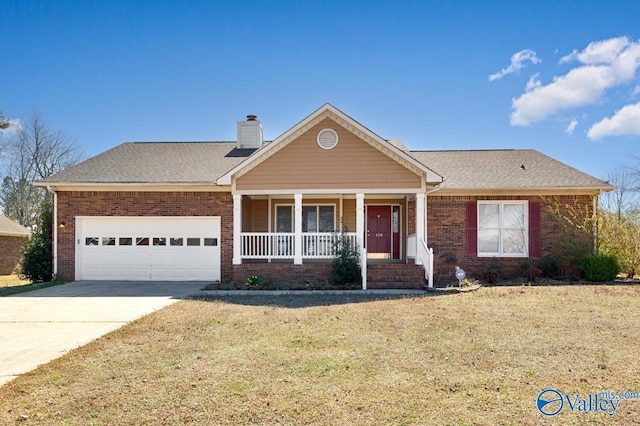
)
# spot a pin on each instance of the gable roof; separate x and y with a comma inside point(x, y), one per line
point(333, 113)
point(11, 228)
point(154, 163)
point(215, 163)
point(502, 170)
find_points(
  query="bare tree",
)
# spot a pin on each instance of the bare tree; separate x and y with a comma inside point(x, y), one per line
point(625, 197)
point(35, 153)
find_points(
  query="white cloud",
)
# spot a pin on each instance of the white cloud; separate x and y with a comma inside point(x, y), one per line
point(533, 83)
point(608, 63)
point(626, 121)
point(518, 61)
point(636, 91)
point(571, 127)
point(599, 52)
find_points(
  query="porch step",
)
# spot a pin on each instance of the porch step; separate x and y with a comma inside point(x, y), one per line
point(395, 275)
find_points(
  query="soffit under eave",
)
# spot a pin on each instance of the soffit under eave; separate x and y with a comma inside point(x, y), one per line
point(359, 131)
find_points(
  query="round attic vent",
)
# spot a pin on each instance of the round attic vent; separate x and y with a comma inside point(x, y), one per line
point(327, 138)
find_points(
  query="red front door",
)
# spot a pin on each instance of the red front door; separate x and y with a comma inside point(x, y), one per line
point(379, 231)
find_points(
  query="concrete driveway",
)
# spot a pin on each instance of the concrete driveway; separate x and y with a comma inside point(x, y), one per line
point(39, 326)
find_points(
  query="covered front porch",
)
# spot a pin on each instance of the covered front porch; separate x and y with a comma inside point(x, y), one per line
point(302, 228)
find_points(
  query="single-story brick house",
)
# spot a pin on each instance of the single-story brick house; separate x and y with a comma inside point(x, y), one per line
point(228, 210)
point(13, 237)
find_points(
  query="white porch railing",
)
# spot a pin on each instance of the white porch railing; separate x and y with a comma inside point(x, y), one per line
point(411, 246)
point(423, 255)
point(281, 245)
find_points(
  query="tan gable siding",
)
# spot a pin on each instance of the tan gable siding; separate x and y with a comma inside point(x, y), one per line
point(352, 164)
point(259, 216)
point(349, 214)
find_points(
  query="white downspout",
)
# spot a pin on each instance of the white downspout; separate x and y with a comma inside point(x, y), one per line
point(54, 235)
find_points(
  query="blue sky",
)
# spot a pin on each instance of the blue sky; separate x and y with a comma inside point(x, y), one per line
point(557, 76)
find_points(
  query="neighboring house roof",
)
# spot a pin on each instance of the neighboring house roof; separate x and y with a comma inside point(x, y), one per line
point(10, 228)
point(155, 163)
point(508, 169)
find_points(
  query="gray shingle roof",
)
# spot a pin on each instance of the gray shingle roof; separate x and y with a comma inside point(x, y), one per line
point(502, 169)
point(9, 227)
point(156, 162)
point(205, 162)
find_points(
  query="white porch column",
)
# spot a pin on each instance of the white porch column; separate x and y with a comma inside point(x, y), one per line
point(237, 229)
point(297, 222)
point(360, 237)
point(420, 220)
point(360, 220)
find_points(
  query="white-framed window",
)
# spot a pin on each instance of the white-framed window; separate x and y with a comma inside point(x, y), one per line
point(284, 218)
point(315, 218)
point(503, 228)
point(320, 218)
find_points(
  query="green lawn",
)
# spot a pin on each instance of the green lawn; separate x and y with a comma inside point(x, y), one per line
point(460, 359)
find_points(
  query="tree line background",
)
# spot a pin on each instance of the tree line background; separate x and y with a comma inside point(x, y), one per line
point(31, 151)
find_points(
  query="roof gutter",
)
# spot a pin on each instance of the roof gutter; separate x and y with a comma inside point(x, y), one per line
point(14, 234)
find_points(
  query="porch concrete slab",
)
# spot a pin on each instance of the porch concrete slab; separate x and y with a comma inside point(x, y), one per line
point(39, 326)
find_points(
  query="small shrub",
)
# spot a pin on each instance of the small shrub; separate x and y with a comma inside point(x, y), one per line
point(576, 272)
point(346, 265)
point(493, 273)
point(549, 267)
point(600, 267)
point(530, 271)
point(252, 281)
point(37, 258)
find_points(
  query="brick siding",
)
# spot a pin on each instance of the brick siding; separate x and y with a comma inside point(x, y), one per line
point(446, 227)
point(76, 203)
point(282, 272)
point(11, 253)
point(379, 275)
point(446, 218)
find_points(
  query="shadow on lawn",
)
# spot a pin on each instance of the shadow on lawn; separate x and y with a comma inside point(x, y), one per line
point(306, 299)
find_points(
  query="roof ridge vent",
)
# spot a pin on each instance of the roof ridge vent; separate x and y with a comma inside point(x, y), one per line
point(250, 133)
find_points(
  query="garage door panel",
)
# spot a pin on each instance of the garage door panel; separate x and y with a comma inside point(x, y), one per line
point(148, 248)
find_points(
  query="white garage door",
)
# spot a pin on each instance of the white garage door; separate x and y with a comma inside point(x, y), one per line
point(148, 248)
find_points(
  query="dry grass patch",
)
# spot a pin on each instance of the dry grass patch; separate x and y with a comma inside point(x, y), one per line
point(11, 281)
point(462, 359)
point(13, 284)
